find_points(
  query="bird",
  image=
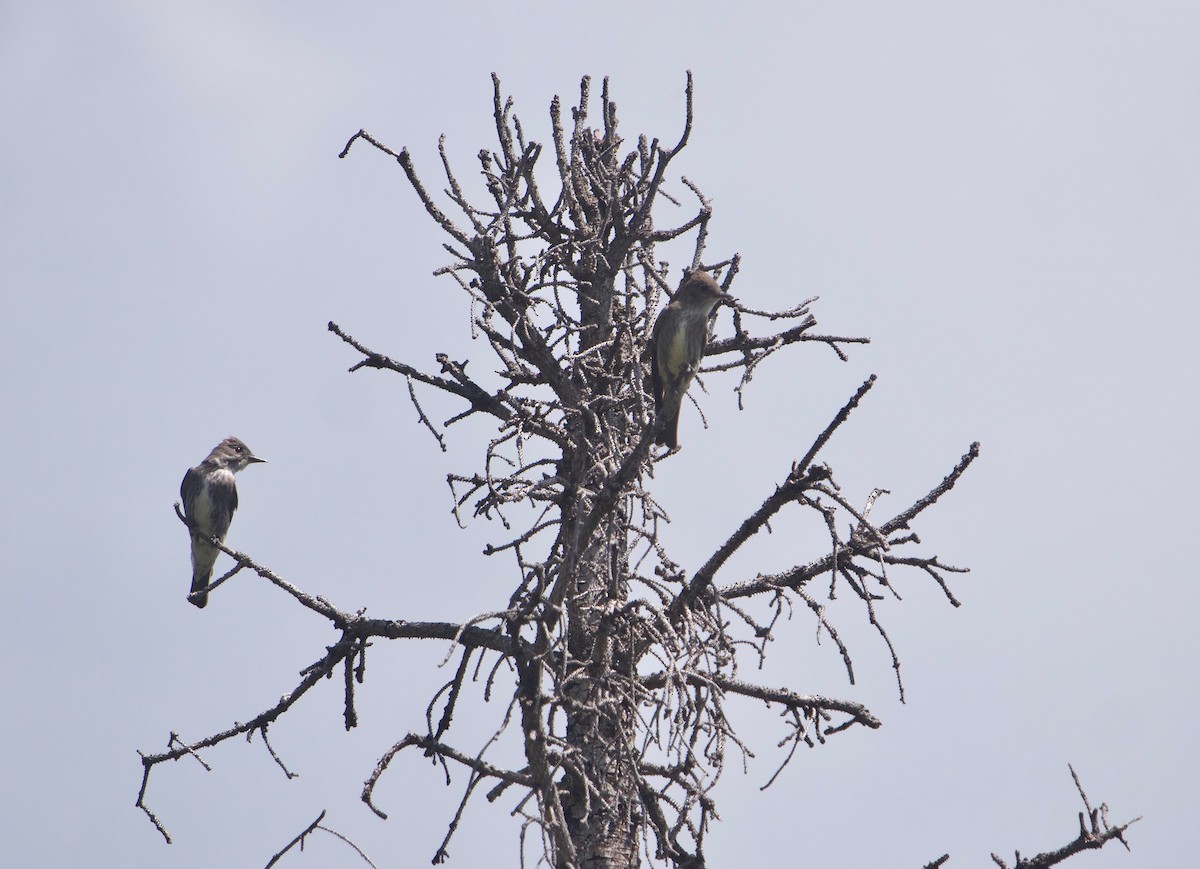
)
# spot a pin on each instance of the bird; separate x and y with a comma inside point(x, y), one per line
point(677, 346)
point(209, 499)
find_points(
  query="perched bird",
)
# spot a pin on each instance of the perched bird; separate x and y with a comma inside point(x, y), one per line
point(209, 499)
point(677, 346)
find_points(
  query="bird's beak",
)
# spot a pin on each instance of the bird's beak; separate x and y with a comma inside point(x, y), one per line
point(252, 459)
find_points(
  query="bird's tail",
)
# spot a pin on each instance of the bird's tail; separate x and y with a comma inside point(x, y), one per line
point(204, 556)
point(668, 428)
point(198, 595)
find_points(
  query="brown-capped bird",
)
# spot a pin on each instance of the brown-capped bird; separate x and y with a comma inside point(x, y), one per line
point(677, 346)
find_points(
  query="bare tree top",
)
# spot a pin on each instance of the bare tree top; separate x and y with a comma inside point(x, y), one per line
point(611, 664)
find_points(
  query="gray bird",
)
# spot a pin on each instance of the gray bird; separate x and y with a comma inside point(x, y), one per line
point(209, 499)
point(677, 346)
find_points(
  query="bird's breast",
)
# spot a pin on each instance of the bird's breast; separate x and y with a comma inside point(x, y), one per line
point(203, 507)
point(676, 356)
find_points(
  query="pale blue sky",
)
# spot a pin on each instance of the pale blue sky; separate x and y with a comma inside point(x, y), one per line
point(1004, 196)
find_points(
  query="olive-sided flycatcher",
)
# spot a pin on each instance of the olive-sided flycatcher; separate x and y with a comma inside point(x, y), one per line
point(677, 343)
point(209, 499)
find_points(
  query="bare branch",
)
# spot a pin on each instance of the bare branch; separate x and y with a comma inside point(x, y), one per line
point(1094, 833)
point(311, 828)
point(902, 519)
point(809, 702)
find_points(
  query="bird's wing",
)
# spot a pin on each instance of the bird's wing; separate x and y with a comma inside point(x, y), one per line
point(656, 374)
point(189, 489)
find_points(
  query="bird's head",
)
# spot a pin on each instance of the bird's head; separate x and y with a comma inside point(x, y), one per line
point(699, 290)
point(233, 455)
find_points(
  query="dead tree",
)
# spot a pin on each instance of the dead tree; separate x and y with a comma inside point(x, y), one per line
point(617, 662)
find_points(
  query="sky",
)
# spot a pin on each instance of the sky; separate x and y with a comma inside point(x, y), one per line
point(1005, 197)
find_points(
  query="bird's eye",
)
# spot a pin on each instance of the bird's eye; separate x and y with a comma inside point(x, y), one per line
point(237, 448)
